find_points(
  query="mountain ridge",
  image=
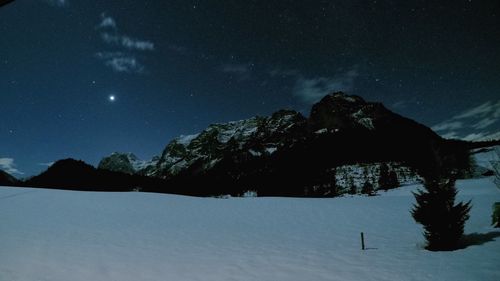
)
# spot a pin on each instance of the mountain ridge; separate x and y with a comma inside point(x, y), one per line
point(346, 145)
point(258, 152)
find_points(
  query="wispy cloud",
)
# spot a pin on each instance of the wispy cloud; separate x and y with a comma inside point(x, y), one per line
point(243, 71)
point(283, 73)
point(121, 62)
point(486, 109)
point(236, 68)
point(311, 90)
point(128, 42)
point(482, 136)
point(478, 136)
point(407, 103)
point(450, 135)
point(8, 165)
point(480, 117)
point(137, 44)
point(107, 22)
point(446, 126)
point(48, 164)
point(177, 48)
point(57, 3)
point(125, 64)
point(484, 123)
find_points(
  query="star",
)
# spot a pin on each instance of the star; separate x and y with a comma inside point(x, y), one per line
point(112, 98)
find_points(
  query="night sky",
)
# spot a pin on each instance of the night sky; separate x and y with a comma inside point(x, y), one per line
point(83, 79)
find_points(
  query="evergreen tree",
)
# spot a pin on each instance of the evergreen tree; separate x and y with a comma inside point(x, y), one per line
point(352, 187)
point(392, 181)
point(496, 167)
point(495, 218)
point(367, 188)
point(334, 189)
point(442, 219)
point(388, 178)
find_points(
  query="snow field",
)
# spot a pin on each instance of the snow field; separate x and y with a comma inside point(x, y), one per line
point(52, 235)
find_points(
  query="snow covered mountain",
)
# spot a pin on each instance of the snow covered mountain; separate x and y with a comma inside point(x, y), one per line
point(288, 149)
point(127, 163)
point(254, 137)
point(257, 136)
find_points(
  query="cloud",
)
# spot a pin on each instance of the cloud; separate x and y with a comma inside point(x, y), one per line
point(243, 71)
point(486, 122)
point(448, 125)
point(57, 3)
point(283, 72)
point(107, 22)
point(118, 60)
point(127, 42)
point(407, 103)
point(487, 108)
point(469, 121)
point(236, 68)
point(108, 55)
point(121, 62)
point(7, 164)
point(311, 90)
point(177, 48)
point(137, 44)
point(48, 164)
point(482, 136)
point(477, 136)
point(450, 135)
point(125, 64)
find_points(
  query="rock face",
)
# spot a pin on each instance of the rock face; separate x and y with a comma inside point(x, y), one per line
point(338, 111)
point(287, 153)
point(127, 163)
point(254, 137)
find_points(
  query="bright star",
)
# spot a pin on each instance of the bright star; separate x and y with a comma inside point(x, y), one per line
point(112, 98)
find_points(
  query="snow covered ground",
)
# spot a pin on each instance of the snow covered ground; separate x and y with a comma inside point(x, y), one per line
point(51, 235)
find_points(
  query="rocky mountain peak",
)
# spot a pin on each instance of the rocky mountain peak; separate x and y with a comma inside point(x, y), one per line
point(341, 97)
point(340, 111)
point(126, 163)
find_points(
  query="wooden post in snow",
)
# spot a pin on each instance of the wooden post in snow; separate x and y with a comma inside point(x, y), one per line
point(362, 241)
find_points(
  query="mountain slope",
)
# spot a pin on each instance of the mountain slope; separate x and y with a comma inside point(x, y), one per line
point(77, 175)
point(8, 180)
